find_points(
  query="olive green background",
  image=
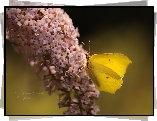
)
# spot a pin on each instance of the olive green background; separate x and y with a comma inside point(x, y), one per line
point(110, 30)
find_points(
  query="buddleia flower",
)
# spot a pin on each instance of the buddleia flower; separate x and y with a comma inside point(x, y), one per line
point(48, 40)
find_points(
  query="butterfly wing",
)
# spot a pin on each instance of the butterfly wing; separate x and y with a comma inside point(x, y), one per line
point(114, 61)
point(104, 82)
point(107, 70)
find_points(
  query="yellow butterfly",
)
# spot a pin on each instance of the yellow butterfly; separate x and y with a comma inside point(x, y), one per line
point(107, 70)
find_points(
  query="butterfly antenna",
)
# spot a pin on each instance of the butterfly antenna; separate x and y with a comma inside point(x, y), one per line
point(89, 47)
point(88, 52)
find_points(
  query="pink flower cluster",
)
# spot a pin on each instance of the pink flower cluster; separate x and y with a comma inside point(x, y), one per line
point(48, 39)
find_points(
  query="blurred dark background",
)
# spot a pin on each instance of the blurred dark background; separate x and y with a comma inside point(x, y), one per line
point(127, 30)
